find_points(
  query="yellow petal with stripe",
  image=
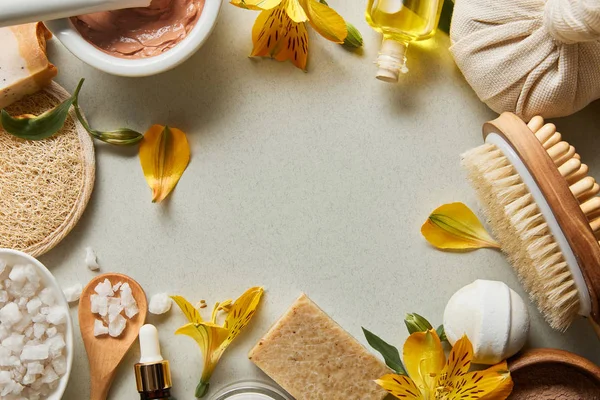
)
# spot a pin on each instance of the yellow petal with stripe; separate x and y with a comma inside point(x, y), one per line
point(400, 386)
point(241, 313)
point(455, 226)
point(256, 4)
point(494, 383)
point(164, 155)
point(458, 363)
point(326, 21)
point(275, 35)
point(424, 358)
point(190, 312)
point(294, 10)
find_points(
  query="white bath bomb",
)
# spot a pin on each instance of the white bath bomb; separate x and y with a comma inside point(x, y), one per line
point(492, 315)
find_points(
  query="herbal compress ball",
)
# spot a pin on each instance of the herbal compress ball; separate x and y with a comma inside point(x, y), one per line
point(492, 315)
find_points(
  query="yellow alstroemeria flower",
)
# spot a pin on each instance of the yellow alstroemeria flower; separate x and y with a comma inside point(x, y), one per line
point(431, 376)
point(212, 338)
point(280, 30)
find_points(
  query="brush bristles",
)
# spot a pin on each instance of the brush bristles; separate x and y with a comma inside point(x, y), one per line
point(523, 234)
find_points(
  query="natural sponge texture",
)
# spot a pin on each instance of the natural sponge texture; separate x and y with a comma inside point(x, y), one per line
point(313, 358)
point(46, 184)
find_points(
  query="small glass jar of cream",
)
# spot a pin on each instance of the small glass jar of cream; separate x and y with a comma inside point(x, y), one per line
point(250, 390)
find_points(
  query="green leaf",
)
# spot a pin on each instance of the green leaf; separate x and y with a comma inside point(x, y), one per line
point(37, 128)
point(441, 333)
point(119, 137)
point(446, 16)
point(47, 124)
point(416, 323)
point(354, 39)
point(390, 353)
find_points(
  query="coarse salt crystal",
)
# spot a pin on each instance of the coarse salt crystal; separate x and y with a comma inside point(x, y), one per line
point(73, 293)
point(34, 368)
point(131, 310)
point(99, 305)
point(90, 259)
point(10, 314)
point(114, 310)
point(47, 296)
point(39, 328)
point(160, 303)
point(57, 315)
point(49, 375)
point(57, 344)
point(35, 352)
point(99, 328)
point(104, 289)
point(14, 343)
point(18, 273)
point(117, 326)
point(33, 305)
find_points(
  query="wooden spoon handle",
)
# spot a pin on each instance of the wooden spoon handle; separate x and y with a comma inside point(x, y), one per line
point(100, 385)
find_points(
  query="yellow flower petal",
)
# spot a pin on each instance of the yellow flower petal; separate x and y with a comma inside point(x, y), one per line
point(241, 312)
point(164, 155)
point(458, 363)
point(326, 21)
point(188, 309)
point(505, 387)
point(400, 386)
point(424, 358)
point(294, 10)
point(210, 338)
point(455, 226)
point(494, 383)
point(256, 4)
point(275, 35)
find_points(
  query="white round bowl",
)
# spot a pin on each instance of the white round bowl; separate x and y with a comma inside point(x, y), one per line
point(18, 257)
point(65, 31)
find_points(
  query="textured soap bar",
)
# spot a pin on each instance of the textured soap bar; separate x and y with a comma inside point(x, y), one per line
point(24, 67)
point(313, 358)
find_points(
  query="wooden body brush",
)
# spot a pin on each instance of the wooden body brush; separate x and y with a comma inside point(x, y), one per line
point(542, 207)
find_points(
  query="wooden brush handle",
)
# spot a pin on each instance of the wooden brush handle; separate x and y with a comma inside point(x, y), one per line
point(563, 203)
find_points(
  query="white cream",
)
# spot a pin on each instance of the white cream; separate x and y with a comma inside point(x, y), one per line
point(492, 315)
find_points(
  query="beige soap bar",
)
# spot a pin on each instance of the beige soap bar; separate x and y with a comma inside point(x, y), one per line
point(313, 358)
point(24, 67)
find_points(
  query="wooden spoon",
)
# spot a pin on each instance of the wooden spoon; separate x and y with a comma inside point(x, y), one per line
point(105, 352)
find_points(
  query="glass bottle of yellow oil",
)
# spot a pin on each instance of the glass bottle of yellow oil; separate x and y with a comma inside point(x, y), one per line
point(401, 22)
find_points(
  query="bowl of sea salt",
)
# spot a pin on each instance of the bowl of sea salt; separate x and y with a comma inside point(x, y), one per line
point(36, 331)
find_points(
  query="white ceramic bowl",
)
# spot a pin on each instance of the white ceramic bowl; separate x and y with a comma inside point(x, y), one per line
point(64, 31)
point(17, 257)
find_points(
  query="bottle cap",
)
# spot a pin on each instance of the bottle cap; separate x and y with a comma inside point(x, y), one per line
point(391, 60)
point(152, 373)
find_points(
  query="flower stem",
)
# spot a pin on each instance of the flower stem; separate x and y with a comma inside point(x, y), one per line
point(202, 389)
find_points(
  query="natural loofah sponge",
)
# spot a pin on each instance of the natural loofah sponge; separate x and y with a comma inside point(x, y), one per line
point(44, 185)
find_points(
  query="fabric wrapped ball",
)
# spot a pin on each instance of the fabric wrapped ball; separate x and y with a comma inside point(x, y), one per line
point(492, 315)
point(529, 57)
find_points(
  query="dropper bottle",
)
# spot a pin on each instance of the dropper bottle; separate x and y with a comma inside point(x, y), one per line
point(152, 373)
point(401, 22)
